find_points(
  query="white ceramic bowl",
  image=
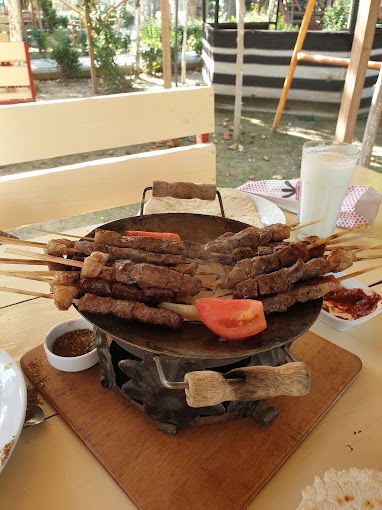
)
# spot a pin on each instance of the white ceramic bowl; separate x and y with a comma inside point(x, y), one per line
point(69, 364)
point(344, 324)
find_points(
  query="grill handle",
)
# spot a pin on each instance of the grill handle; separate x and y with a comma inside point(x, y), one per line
point(209, 388)
point(183, 190)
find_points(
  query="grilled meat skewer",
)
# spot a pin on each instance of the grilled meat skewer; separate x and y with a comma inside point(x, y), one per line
point(267, 249)
point(129, 310)
point(151, 244)
point(58, 248)
point(249, 268)
point(144, 275)
point(250, 238)
point(314, 289)
point(270, 283)
point(65, 293)
point(283, 279)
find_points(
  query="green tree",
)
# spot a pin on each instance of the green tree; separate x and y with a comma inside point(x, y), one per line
point(336, 17)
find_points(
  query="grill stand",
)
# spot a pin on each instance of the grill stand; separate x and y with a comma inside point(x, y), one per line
point(134, 377)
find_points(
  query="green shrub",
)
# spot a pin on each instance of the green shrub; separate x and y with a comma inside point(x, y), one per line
point(151, 46)
point(107, 41)
point(65, 54)
point(80, 41)
point(37, 39)
point(283, 25)
point(336, 17)
point(151, 43)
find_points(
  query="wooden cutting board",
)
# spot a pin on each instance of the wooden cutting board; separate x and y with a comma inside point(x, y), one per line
point(219, 467)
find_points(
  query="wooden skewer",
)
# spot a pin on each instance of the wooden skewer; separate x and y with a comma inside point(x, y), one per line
point(44, 256)
point(26, 292)
point(22, 242)
point(15, 274)
point(356, 273)
point(351, 238)
point(353, 247)
point(334, 236)
point(63, 234)
point(28, 262)
point(349, 247)
point(302, 225)
point(33, 273)
point(375, 247)
point(370, 257)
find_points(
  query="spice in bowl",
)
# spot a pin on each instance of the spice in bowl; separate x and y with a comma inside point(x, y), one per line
point(74, 343)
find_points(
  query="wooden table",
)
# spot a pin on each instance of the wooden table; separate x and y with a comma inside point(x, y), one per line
point(52, 468)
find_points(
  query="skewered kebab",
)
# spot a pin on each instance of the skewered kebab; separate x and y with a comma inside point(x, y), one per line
point(100, 287)
point(125, 271)
point(64, 294)
point(60, 247)
point(144, 275)
point(249, 268)
point(250, 238)
point(266, 249)
point(283, 279)
point(129, 310)
point(314, 289)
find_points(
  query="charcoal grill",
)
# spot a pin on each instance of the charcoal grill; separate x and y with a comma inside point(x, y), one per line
point(153, 368)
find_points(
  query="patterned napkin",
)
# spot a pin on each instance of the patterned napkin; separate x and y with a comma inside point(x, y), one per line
point(360, 205)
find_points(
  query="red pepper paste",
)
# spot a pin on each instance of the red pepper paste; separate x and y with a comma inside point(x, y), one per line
point(355, 302)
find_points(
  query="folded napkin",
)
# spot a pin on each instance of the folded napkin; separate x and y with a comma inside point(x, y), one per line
point(360, 205)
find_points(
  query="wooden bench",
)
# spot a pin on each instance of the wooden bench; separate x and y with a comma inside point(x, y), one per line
point(57, 128)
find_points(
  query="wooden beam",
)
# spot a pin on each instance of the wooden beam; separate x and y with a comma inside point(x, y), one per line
point(89, 37)
point(138, 38)
point(293, 63)
point(372, 123)
point(110, 11)
point(183, 71)
point(70, 6)
point(355, 76)
point(334, 61)
point(166, 47)
point(240, 11)
point(15, 21)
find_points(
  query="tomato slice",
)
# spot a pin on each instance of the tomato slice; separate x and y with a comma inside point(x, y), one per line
point(233, 319)
point(158, 235)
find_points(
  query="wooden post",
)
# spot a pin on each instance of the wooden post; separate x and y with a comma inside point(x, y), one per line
point(372, 123)
point(138, 39)
point(240, 11)
point(292, 66)
point(88, 30)
point(166, 48)
point(183, 72)
point(15, 21)
point(355, 76)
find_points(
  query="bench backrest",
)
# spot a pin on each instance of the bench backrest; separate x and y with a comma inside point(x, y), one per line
point(16, 81)
point(58, 128)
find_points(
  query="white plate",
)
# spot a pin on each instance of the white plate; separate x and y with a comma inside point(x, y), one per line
point(13, 402)
point(268, 211)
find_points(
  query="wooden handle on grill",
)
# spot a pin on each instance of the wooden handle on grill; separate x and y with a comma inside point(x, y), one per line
point(184, 190)
point(209, 388)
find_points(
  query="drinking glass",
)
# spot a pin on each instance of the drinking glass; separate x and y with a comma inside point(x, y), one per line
point(326, 170)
